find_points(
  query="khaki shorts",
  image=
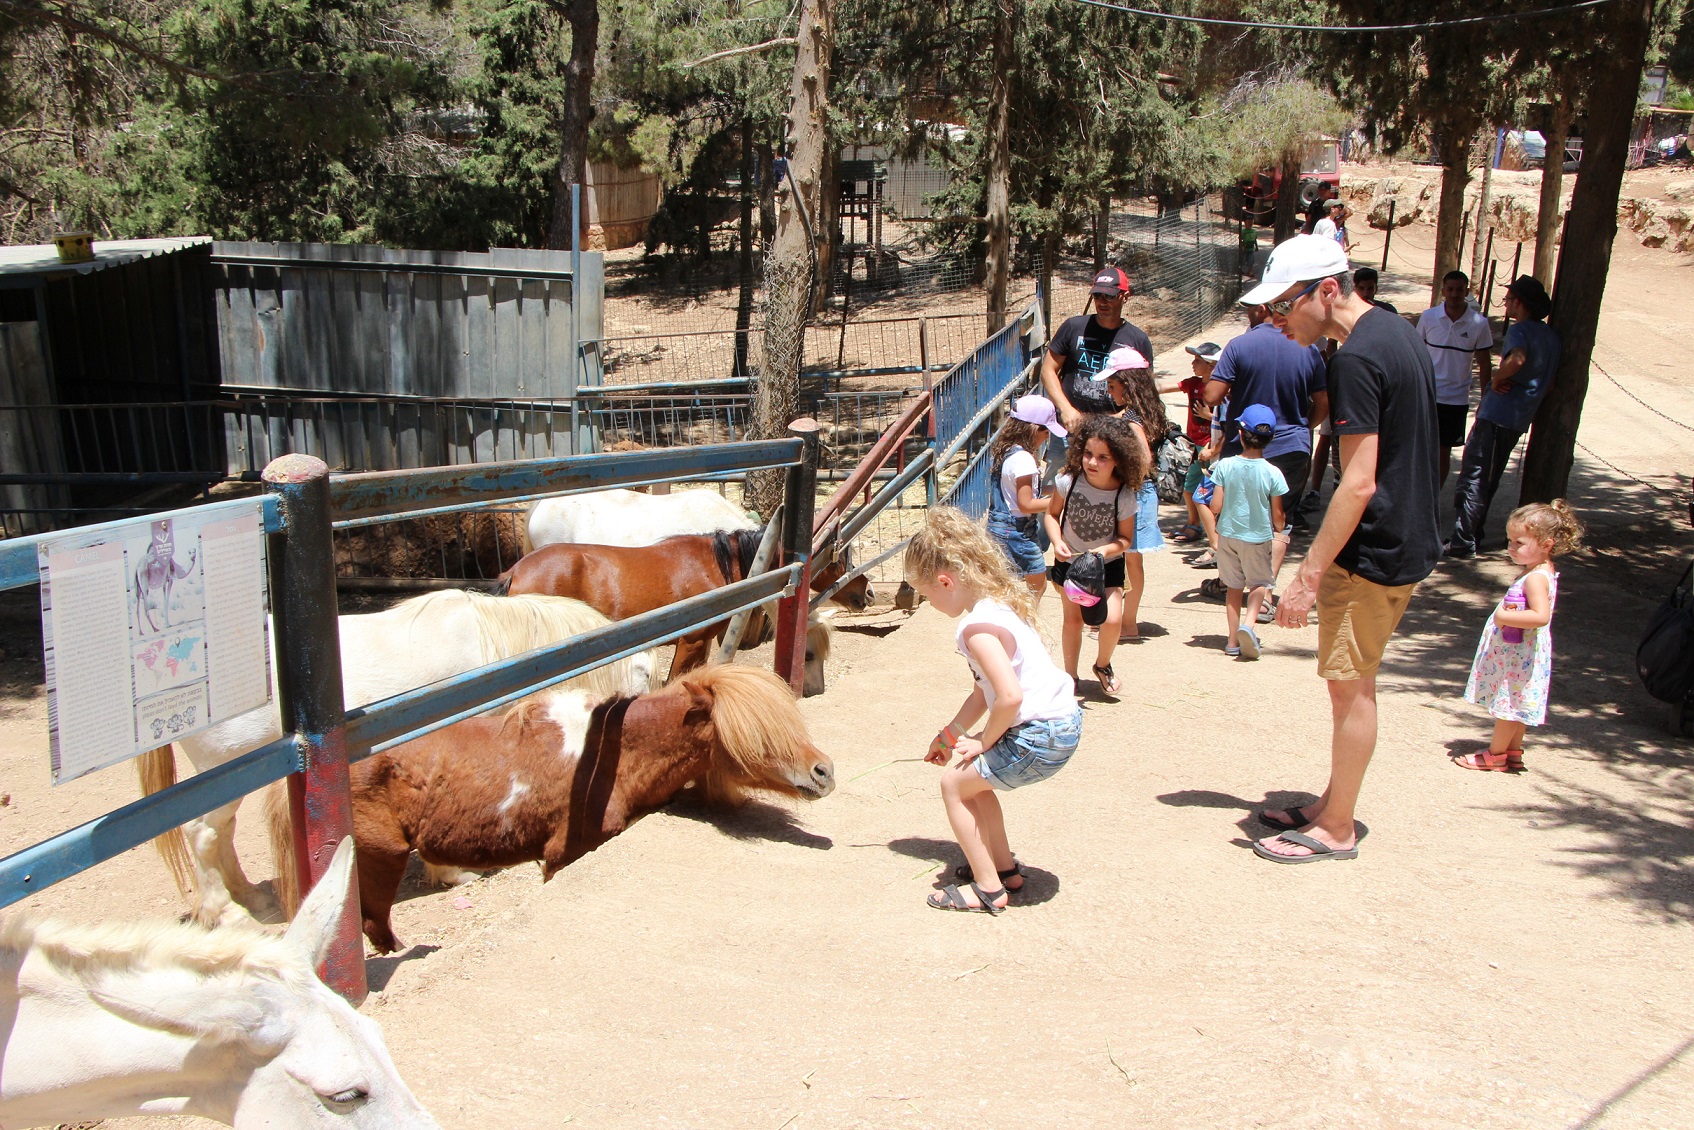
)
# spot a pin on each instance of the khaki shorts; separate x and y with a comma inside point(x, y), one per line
point(1356, 617)
point(1244, 564)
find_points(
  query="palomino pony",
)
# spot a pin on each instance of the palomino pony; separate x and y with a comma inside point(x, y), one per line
point(628, 581)
point(417, 642)
point(630, 518)
point(557, 775)
point(233, 1025)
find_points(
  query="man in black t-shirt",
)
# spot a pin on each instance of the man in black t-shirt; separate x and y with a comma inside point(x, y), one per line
point(1081, 346)
point(1380, 536)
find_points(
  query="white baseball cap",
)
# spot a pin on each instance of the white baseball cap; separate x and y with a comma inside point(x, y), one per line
point(1301, 258)
point(1034, 409)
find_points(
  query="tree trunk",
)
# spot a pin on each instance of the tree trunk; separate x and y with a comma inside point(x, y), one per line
point(794, 252)
point(1449, 224)
point(1102, 232)
point(1287, 220)
point(1479, 269)
point(1585, 256)
point(744, 301)
point(999, 204)
point(584, 18)
point(829, 229)
point(1552, 192)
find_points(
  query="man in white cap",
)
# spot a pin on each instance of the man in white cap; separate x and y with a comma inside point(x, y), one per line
point(1380, 536)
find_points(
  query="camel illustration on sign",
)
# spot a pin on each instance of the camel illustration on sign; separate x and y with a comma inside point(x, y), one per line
point(158, 571)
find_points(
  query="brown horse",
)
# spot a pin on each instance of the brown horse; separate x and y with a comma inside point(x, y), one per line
point(622, 582)
point(557, 775)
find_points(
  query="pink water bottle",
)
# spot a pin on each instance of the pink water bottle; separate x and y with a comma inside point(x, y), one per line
point(1514, 602)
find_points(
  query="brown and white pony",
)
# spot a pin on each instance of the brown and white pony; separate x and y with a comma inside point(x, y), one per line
point(559, 774)
point(625, 581)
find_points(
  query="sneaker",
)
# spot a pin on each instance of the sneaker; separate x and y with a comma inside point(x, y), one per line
point(1457, 551)
point(1248, 643)
point(1232, 651)
point(1310, 501)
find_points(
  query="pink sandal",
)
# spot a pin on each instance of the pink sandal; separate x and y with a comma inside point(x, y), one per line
point(1510, 761)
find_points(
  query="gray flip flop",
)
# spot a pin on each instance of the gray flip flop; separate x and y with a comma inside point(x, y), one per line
point(1320, 850)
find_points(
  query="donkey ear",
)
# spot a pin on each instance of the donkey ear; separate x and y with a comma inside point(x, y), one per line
point(187, 1003)
point(313, 928)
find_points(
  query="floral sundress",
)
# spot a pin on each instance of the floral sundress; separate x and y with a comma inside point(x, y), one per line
point(1509, 677)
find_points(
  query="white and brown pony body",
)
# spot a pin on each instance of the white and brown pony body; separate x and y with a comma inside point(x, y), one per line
point(415, 643)
point(629, 518)
point(558, 775)
point(233, 1025)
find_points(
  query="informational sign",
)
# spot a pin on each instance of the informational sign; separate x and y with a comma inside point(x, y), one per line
point(154, 629)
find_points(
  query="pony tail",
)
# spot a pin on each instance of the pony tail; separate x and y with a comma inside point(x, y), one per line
point(951, 542)
point(1554, 522)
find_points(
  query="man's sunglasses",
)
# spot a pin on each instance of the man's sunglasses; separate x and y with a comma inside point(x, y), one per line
point(1281, 309)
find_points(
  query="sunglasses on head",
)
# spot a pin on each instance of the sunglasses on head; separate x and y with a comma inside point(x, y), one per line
point(1281, 309)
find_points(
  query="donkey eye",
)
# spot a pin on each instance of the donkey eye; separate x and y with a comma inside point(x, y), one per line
point(352, 1096)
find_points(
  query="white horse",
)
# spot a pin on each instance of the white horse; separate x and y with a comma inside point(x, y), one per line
point(415, 643)
point(233, 1025)
point(630, 518)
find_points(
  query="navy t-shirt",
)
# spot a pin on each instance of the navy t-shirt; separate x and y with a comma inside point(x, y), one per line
point(1085, 343)
point(1381, 382)
point(1264, 367)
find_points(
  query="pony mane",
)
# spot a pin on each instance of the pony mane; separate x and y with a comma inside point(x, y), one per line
point(88, 952)
point(757, 723)
point(736, 548)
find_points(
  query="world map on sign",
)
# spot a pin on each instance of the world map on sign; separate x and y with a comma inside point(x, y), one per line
point(169, 661)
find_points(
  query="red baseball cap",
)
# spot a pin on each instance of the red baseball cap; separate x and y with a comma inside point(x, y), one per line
point(1110, 283)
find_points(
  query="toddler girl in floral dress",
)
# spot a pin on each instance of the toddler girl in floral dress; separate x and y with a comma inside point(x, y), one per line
point(1514, 660)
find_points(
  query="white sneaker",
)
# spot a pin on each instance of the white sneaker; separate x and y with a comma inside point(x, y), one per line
point(1248, 642)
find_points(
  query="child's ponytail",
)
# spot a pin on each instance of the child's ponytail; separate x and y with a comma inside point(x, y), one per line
point(1553, 522)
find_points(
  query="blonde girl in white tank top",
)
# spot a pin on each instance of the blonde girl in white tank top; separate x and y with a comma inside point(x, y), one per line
point(1033, 723)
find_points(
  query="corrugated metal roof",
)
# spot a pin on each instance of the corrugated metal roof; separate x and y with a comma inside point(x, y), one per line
point(42, 259)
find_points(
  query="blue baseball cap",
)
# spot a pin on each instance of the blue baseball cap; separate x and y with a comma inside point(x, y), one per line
point(1256, 416)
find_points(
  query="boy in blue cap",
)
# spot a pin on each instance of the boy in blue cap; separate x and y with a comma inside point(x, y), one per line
point(1247, 499)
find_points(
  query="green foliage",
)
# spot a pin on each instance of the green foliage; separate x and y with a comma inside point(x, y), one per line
point(1267, 120)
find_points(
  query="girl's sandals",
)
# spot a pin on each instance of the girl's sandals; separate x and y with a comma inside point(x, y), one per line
point(1207, 560)
point(1108, 680)
point(950, 898)
point(1508, 761)
point(1212, 588)
point(964, 874)
point(1189, 532)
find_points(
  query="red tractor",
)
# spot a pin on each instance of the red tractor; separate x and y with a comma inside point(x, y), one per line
point(1320, 179)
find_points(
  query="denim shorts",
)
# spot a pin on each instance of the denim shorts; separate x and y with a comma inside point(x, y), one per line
point(1031, 752)
point(1021, 544)
point(1148, 539)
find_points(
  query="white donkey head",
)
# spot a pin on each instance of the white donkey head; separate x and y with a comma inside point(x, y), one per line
point(268, 1044)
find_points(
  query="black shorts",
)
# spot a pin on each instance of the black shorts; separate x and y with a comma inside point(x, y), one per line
point(1114, 572)
point(1296, 467)
point(1450, 421)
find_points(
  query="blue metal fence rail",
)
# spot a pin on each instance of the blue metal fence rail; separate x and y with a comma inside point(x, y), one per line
point(369, 729)
point(968, 398)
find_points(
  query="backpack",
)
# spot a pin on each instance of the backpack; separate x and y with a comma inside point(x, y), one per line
point(1171, 458)
point(1665, 657)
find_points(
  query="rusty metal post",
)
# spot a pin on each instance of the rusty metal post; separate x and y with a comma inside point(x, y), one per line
point(309, 695)
point(799, 501)
point(1388, 236)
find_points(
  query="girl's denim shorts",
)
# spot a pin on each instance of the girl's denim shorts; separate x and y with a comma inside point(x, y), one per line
point(1031, 752)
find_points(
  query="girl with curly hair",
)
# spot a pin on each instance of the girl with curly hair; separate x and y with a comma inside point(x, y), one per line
point(1093, 509)
point(1129, 378)
point(1033, 724)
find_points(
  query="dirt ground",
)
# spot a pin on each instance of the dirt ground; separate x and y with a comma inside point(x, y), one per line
point(1506, 952)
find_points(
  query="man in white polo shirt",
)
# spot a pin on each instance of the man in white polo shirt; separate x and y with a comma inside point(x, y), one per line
point(1458, 338)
